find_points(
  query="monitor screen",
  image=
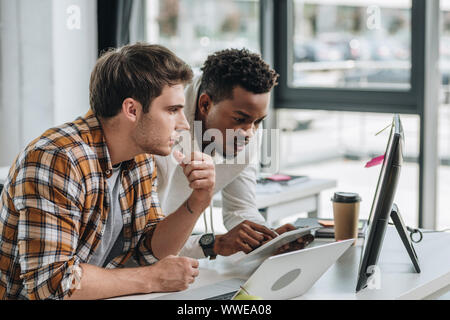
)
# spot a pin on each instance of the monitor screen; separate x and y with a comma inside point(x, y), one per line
point(382, 203)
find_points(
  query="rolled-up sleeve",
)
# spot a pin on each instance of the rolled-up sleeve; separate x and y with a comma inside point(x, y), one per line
point(47, 197)
point(144, 254)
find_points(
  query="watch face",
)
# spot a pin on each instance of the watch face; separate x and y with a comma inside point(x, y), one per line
point(207, 239)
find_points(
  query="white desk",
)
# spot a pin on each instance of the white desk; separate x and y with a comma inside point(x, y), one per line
point(301, 197)
point(398, 279)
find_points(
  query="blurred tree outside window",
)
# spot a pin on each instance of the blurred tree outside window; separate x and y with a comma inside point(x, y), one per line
point(352, 44)
point(194, 29)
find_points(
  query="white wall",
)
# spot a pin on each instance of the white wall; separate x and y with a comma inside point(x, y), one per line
point(48, 49)
point(75, 53)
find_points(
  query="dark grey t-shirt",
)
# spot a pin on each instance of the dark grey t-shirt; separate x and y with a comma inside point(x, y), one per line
point(111, 244)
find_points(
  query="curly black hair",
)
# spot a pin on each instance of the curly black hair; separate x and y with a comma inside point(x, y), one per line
point(227, 69)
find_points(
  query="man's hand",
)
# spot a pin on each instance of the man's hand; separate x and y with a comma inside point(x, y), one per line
point(169, 274)
point(171, 233)
point(285, 228)
point(200, 171)
point(172, 274)
point(245, 237)
point(298, 244)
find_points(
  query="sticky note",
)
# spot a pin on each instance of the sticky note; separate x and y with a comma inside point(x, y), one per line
point(326, 223)
point(375, 161)
point(279, 177)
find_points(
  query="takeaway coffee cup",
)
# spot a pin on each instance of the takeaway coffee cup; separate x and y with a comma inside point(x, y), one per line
point(346, 214)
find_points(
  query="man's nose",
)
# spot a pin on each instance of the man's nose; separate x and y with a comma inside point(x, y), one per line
point(248, 131)
point(182, 123)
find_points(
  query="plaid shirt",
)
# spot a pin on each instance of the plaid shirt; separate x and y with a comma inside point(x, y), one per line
point(54, 207)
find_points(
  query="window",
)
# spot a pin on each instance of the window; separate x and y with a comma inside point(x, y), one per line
point(350, 55)
point(351, 44)
point(193, 29)
point(357, 56)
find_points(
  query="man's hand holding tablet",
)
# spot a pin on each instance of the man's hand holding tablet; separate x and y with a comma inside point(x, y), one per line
point(298, 244)
point(287, 241)
point(244, 237)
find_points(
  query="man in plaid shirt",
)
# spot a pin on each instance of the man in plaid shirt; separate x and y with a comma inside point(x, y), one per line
point(80, 200)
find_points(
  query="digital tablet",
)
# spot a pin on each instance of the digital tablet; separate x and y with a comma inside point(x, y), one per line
point(269, 248)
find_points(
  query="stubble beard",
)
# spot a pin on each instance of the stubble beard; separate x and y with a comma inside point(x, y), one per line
point(148, 140)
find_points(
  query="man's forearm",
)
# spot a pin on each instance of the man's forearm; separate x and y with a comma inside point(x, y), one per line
point(172, 233)
point(100, 283)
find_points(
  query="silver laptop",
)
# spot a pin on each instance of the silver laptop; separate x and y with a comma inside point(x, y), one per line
point(279, 277)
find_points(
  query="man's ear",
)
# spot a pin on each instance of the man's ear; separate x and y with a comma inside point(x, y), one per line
point(131, 109)
point(204, 104)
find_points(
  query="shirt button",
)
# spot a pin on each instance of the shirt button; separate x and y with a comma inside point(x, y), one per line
point(108, 172)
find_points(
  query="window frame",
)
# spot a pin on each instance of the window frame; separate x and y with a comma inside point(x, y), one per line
point(342, 99)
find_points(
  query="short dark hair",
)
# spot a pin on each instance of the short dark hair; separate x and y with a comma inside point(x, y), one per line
point(139, 71)
point(227, 69)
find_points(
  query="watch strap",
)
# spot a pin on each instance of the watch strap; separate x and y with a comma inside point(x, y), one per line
point(208, 250)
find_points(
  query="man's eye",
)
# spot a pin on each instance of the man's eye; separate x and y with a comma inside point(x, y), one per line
point(239, 120)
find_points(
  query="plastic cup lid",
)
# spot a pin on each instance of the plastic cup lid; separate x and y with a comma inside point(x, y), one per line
point(346, 197)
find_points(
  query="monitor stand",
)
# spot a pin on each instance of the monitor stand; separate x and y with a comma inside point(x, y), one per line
point(401, 229)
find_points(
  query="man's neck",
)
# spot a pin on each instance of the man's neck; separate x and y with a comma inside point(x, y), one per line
point(118, 142)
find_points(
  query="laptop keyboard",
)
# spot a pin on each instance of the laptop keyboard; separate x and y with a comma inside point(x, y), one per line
point(226, 296)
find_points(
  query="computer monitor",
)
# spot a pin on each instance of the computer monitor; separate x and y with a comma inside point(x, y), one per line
point(382, 207)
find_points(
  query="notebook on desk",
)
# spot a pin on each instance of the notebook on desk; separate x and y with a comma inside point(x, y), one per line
point(327, 232)
point(283, 179)
point(275, 183)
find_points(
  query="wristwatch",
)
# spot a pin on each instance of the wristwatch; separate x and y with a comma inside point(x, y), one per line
point(207, 243)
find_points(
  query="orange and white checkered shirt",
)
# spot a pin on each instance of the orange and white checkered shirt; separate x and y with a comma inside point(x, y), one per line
point(54, 208)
